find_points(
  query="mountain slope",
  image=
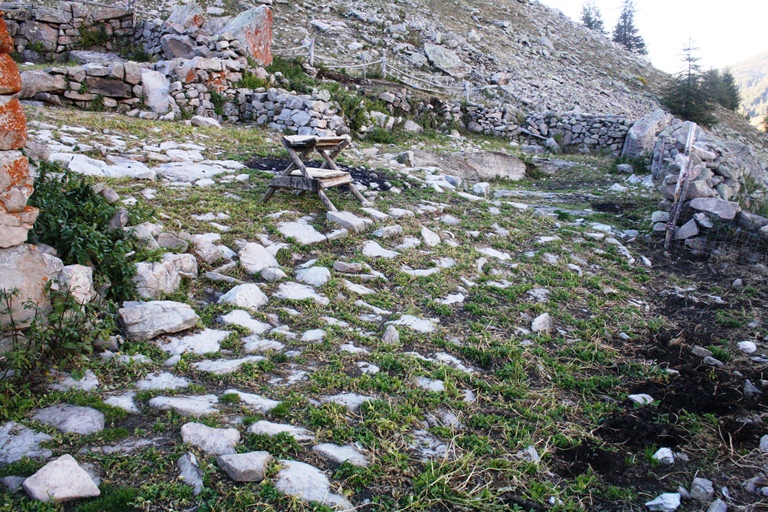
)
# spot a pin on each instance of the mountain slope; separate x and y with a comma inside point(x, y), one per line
point(752, 79)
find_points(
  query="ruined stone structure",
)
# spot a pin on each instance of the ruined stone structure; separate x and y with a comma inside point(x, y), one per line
point(44, 34)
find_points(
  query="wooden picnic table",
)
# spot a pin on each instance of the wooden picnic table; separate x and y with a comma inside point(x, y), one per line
point(297, 176)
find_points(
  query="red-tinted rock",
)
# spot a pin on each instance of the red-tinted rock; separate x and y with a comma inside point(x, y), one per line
point(6, 42)
point(14, 170)
point(13, 124)
point(253, 28)
point(10, 79)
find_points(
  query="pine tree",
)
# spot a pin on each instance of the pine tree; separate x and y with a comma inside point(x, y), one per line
point(722, 88)
point(729, 94)
point(591, 17)
point(686, 95)
point(625, 32)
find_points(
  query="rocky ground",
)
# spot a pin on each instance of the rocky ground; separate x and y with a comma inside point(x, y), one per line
point(512, 345)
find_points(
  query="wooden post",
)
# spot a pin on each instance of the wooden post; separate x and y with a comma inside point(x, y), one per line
point(681, 189)
point(384, 65)
point(466, 91)
point(312, 52)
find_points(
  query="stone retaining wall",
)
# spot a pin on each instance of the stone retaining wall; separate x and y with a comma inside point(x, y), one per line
point(45, 34)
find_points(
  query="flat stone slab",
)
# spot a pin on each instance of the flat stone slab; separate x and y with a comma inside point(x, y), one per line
point(303, 232)
point(162, 380)
point(416, 324)
point(308, 484)
point(493, 253)
point(314, 335)
point(147, 320)
point(400, 213)
point(313, 276)
point(357, 288)
point(205, 342)
point(428, 446)
point(71, 418)
point(427, 384)
point(190, 472)
point(254, 258)
point(17, 441)
point(225, 366)
point(374, 250)
point(254, 344)
point(256, 403)
point(267, 428)
point(349, 221)
point(296, 291)
point(65, 382)
point(245, 467)
point(340, 454)
point(244, 319)
point(351, 401)
point(61, 480)
point(247, 296)
point(216, 441)
point(124, 402)
point(196, 406)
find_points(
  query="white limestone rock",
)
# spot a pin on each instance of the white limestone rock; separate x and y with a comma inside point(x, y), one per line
point(296, 291)
point(17, 441)
point(205, 342)
point(216, 441)
point(71, 418)
point(196, 406)
point(147, 320)
point(61, 480)
point(256, 403)
point(161, 380)
point(416, 324)
point(245, 467)
point(254, 258)
point(352, 401)
point(340, 454)
point(244, 319)
point(248, 296)
point(313, 276)
point(267, 428)
point(224, 366)
point(308, 484)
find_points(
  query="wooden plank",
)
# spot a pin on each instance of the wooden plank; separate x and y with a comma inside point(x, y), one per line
point(314, 172)
point(296, 183)
point(335, 182)
point(681, 189)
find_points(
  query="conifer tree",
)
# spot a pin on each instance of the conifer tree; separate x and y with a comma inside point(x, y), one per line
point(591, 17)
point(686, 95)
point(722, 88)
point(625, 32)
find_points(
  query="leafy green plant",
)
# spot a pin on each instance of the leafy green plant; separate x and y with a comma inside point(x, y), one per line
point(218, 101)
point(251, 81)
point(75, 221)
point(93, 37)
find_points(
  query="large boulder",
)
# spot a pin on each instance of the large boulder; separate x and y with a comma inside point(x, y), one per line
point(480, 166)
point(177, 46)
point(40, 33)
point(156, 87)
point(34, 82)
point(642, 135)
point(109, 87)
point(446, 60)
point(186, 16)
point(253, 28)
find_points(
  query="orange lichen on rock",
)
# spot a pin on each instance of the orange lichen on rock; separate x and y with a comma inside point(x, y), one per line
point(259, 37)
point(10, 79)
point(14, 170)
point(13, 124)
point(6, 42)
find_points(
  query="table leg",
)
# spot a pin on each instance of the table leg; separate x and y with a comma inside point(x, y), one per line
point(327, 202)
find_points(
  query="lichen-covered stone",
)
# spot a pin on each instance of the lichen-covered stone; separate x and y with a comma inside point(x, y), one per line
point(13, 124)
point(10, 79)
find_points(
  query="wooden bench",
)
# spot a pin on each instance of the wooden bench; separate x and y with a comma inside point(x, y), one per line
point(297, 176)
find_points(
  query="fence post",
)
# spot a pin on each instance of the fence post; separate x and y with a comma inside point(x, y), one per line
point(312, 52)
point(384, 65)
point(466, 91)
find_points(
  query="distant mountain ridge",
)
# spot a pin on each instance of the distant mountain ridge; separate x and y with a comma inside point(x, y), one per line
point(752, 79)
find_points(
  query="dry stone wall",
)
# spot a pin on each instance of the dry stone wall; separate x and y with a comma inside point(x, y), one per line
point(22, 267)
point(46, 34)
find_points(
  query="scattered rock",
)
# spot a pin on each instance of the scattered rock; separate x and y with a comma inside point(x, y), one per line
point(147, 320)
point(186, 405)
point(61, 480)
point(668, 502)
point(248, 296)
point(267, 428)
point(71, 418)
point(245, 467)
point(17, 441)
point(190, 472)
point(340, 454)
point(309, 484)
point(216, 441)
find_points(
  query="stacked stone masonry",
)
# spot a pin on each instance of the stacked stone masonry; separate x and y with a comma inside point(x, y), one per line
point(46, 34)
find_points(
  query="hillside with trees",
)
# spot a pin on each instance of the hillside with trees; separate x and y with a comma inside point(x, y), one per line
point(752, 80)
